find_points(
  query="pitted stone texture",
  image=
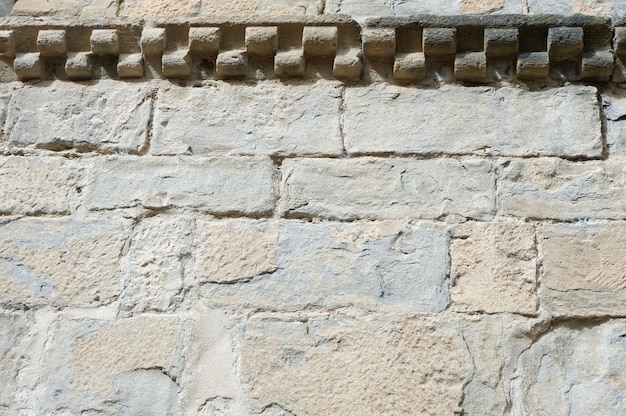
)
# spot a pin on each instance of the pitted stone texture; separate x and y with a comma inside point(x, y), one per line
point(494, 267)
point(66, 8)
point(479, 120)
point(583, 269)
point(155, 264)
point(265, 118)
point(569, 7)
point(13, 327)
point(297, 265)
point(338, 365)
point(113, 368)
point(575, 368)
point(358, 8)
point(242, 185)
point(160, 8)
point(60, 262)
point(371, 188)
point(614, 106)
point(107, 115)
point(38, 185)
point(557, 189)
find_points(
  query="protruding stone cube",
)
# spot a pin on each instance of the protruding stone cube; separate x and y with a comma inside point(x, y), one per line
point(176, 64)
point(597, 65)
point(439, 41)
point(51, 43)
point(289, 63)
point(533, 65)
point(320, 40)
point(78, 65)
point(409, 66)
point(27, 66)
point(620, 41)
point(348, 64)
point(130, 65)
point(204, 39)
point(232, 64)
point(262, 40)
point(7, 46)
point(470, 66)
point(379, 43)
point(153, 41)
point(501, 42)
point(565, 41)
point(104, 42)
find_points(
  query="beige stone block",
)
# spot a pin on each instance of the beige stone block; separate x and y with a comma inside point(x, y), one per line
point(379, 43)
point(381, 188)
point(228, 8)
point(7, 42)
point(583, 269)
point(153, 41)
point(159, 8)
point(61, 262)
point(104, 42)
point(51, 43)
point(28, 66)
point(289, 63)
point(204, 39)
point(78, 65)
point(551, 188)
point(176, 64)
point(262, 40)
point(409, 66)
point(493, 268)
point(470, 66)
point(439, 41)
point(319, 40)
point(348, 64)
point(35, 185)
point(480, 6)
point(31, 8)
point(14, 328)
point(232, 64)
point(130, 65)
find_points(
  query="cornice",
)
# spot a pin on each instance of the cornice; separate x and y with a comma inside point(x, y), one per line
point(414, 49)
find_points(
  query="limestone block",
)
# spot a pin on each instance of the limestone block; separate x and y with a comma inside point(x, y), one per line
point(583, 269)
point(242, 185)
point(575, 368)
point(61, 262)
point(14, 327)
point(439, 41)
point(51, 43)
point(319, 40)
point(153, 41)
point(7, 44)
point(565, 41)
point(348, 64)
point(78, 65)
point(502, 121)
point(176, 64)
point(614, 109)
point(294, 265)
point(104, 42)
point(470, 66)
point(204, 39)
point(160, 8)
point(262, 40)
point(265, 118)
point(597, 65)
point(493, 268)
point(371, 188)
point(533, 65)
point(27, 66)
point(501, 42)
point(409, 66)
point(130, 65)
point(339, 365)
point(289, 63)
point(232, 64)
point(360, 7)
point(123, 367)
point(34, 185)
point(619, 40)
point(569, 7)
point(106, 115)
point(563, 190)
point(378, 43)
point(155, 264)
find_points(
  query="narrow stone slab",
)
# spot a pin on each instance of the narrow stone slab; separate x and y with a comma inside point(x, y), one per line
point(267, 118)
point(583, 269)
point(219, 185)
point(372, 188)
point(459, 120)
point(558, 189)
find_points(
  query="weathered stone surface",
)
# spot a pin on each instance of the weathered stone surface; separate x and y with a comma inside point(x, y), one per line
point(273, 7)
point(151, 8)
point(340, 365)
point(576, 368)
point(38, 185)
point(558, 189)
point(265, 118)
point(66, 8)
point(494, 267)
point(219, 185)
point(108, 115)
point(126, 367)
point(614, 106)
point(583, 269)
point(479, 120)
point(387, 188)
point(296, 265)
point(358, 8)
point(13, 327)
point(60, 262)
point(568, 7)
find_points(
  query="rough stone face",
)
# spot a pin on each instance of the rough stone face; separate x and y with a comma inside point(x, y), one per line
point(218, 185)
point(494, 121)
point(13, 326)
point(60, 262)
point(387, 188)
point(296, 265)
point(493, 268)
point(558, 189)
point(37, 185)
point(343, 365)
point(267, 118)
point(583, 269)
point(108, 116)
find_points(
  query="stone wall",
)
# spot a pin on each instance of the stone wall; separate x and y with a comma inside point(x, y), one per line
point(295, 212)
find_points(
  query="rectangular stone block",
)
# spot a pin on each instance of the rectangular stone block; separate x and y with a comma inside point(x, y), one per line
point(479, 120)
point(583, 269)
point(265, 118)
point(13, 327)
point(291, 265)
point(61, 262)
point(37, 185)
point(243, 185)
point(107, 115)
point(369, 188)
point(493, 267)
point(563, 190)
